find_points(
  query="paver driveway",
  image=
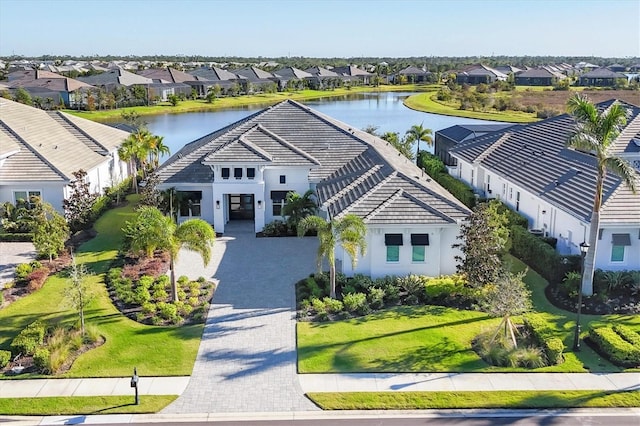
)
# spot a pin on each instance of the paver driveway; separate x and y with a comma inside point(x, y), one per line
point(247, 357)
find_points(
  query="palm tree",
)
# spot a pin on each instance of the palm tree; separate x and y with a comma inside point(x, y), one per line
point(134, 150)
point(418, 133)
point(298, 207)
point(349, 232)
point(160, 150)
point(151, 230)
point(594, 132)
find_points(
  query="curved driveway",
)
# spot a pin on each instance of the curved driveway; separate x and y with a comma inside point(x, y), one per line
point(247, 357)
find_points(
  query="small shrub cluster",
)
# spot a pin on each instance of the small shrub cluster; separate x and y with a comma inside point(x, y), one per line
point(359, 295)
point(147, 299)
point(5, 357)
point(29, 339)
point(502, 353)
point(620, 344)
point(276, 228)
point(8, 237)
point(543, 337)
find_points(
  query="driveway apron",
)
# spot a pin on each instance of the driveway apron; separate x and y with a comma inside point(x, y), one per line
point(247, 357)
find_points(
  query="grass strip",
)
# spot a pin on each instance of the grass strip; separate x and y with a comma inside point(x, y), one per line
point(264, 99)
point(460, 400)
point(83, 405)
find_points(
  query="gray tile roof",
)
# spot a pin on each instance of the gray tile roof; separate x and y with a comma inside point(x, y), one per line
point(292, 72)
point(603, 73)
point(353, 170)
point(535, 158)
point(321, 72)
point(116, 76)
point(459, 132)
point(52, 145)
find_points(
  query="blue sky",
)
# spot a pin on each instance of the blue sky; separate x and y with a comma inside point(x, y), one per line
point(326, 28)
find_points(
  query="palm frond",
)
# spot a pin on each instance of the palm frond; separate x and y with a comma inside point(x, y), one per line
point(624, 170)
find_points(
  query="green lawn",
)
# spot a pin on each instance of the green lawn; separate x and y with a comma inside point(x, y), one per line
point(155, 351)
point(83, 405)
point(461, 400)
point(433, 338)
point(425, 102)
point(241, 101)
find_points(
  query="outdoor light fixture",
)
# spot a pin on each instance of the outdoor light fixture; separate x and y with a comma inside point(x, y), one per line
point(217, 204)
point(259, 204)
point(134, 384)
point(584, 248)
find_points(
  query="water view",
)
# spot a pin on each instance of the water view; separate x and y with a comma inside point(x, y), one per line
point(384, 110)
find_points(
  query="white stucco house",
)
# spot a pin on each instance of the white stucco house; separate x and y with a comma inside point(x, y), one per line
point(245, 170)
point(40, 150)
point(531, 169)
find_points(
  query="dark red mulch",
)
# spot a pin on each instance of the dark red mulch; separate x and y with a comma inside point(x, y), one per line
point(594, 305)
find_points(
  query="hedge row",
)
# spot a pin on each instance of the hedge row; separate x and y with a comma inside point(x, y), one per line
point(16, 238)
point(29, 339)
point(438, 172)
point(627, 334)
point(552, 346)
point(615, 347)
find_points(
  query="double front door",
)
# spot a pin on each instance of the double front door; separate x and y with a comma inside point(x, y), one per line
point(241, 207)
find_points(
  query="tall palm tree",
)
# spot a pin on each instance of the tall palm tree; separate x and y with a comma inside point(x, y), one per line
point(594, 132)
point(418, 133)
point(349, 232)
point(151, 230)
point(134, 150)
point(298, 207)
point(160, 150)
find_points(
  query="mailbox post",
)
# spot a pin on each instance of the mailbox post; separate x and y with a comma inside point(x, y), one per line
point(134, 384)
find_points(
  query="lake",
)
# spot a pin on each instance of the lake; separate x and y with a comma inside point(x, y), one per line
point(384, 110)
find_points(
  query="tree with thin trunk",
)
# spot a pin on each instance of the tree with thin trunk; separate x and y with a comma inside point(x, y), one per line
point(595, 132)
point(133, 150)
point(349, 232)
point(416, 134)
point(78, 291)
point(152, 231)
point(50, 232)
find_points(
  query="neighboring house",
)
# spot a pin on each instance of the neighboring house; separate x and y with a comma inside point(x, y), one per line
point(45, 85)
point(531, 169)
point(477, 74)
point(539, 77)
point(245, 170)
point(602, 77)
point(256, 76)
point(447, 139)
point(323, 78)
point(116, 77)
point(414, 75)
point(352, 73)
point(509, 69)
point(284, 75)
point(40, 150)
point(215, 76)
point(177, 82)
point(162, 91)
point(617, 68)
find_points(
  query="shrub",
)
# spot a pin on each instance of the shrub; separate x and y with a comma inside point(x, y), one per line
point(26, 237)
point(333, 306)
point(616, 279)
point(391, 289)
point(376, 298)
point(91, 334)
point(193, 301)
point(5, 357)
point(537, 254)
point(356, 303)
point(145, 282)
point(618, 350)
point(531, 357)
point(275, 229)
point(36, 278)
point(28, 340)
point(318, 305)
point(41, 359)
point(627, 334)
point(149, 308)
point(141, 295)
point(183, 280)
point(413, 287)
point(360, 282)
point(543, 336)
point(167, 311)
point(22, 270)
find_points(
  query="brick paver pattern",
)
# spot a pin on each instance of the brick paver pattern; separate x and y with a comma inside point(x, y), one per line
point(247, 357)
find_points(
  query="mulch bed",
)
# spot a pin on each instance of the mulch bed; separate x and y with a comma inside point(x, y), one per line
point(594, 305)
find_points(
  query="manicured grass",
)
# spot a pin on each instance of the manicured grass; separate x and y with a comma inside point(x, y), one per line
point(241, 101)
point(83, 405)
point(155, 351)
point(425, 102)
point(402, 339)
point(433, 338)
point(460, 400)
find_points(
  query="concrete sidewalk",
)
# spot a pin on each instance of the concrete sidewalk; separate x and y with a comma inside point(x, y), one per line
point(408, 382)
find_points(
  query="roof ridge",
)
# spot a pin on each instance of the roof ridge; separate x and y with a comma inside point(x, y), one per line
point(353, 184)
point(252, 146)
point(502, 139)
point(62, 116)
point(427, 206)
point(383, 205)
point(287, 144)
point(33, 151)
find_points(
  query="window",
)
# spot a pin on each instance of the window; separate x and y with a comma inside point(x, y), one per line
point(504, 189)
point(418, 244)
point(618, 243)
point(518, 201)
point(488, 189)
point(283, 179)
point(510, 193)
point(393, 243)
point(278, 200)
point(26, 198)
point(251, 173)
point(237, 173)
point(225, 173)
point(473, 176)
point(189, 203)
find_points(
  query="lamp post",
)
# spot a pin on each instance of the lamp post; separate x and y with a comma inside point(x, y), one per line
point(584, 248)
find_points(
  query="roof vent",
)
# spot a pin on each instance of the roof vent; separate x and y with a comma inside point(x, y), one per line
point(556, 182)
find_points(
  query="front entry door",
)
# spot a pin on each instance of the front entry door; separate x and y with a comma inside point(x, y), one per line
point(241, 207)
